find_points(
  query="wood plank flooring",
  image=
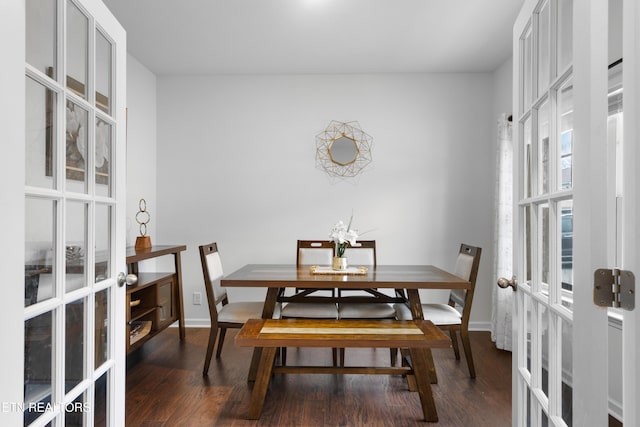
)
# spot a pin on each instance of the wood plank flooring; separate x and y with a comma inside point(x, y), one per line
point(165, 387)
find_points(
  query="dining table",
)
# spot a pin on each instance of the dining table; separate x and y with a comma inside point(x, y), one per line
point(304, 280)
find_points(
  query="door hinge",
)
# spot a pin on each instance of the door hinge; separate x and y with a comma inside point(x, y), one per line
point(614, 288)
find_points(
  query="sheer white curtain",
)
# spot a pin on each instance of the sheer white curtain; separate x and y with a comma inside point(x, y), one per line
point(501, 311)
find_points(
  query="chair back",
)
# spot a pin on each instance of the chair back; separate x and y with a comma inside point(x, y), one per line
point(466, 267)
point(314, 252)
point(212, 272)
point(362, 253)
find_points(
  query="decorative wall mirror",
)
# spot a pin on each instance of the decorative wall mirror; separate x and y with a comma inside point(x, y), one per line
point(343, 149)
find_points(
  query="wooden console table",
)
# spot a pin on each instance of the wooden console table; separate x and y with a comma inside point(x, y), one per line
point(156, 300)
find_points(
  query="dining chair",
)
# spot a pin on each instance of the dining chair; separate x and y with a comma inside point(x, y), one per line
point(224, 314)
point(363, 253)
point(312, 252)
point(447, 316)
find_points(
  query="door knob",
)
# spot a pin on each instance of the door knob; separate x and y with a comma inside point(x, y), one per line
point(505, 283)
point(129, 279)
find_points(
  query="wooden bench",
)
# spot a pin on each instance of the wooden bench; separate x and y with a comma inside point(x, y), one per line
point(267, 335)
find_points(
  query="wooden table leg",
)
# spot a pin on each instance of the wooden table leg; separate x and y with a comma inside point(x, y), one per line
point(262, 382)
point(416, 311)
point(420, 363)
point(267, 313)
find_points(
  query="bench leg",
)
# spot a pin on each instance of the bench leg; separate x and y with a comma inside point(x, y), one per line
point(262, 382)
point(423, 383)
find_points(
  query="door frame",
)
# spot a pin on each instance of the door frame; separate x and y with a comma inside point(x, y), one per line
point(631, 211)
point(12, 165)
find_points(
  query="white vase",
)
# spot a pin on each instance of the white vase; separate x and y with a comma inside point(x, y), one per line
point(339, 263)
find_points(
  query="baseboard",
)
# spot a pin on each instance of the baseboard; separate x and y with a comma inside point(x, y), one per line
point(480, 326)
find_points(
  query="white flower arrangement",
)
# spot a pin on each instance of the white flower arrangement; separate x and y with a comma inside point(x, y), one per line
point(343, 236)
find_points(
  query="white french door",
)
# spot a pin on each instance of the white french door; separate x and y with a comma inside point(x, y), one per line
point(575, 205)
point(69, 166)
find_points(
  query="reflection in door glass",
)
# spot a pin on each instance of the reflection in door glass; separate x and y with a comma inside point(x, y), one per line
point(527, 243)
point(77, 140)
point(566, 247)
point(74, 344)
point(526, 152)
point(102, 327)
point(103, 158)
point(76, 246)
point(543, 148)
point(77, 50)
point(544, 67)
point(38, 362)
point(100, 401)
point(102, 242)
point(526, 61)
point(103, 72)
point(565, 136)
point(40, 135)
point(40, 35)
point(565, 34)
point(39, 259)
point(543, 244)
point(543, 326)
point(567, 371)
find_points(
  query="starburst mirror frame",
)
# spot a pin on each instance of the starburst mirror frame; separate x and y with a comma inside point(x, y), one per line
point(343, 150)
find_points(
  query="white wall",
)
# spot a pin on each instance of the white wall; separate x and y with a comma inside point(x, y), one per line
point(236, 165)
point(141, 146)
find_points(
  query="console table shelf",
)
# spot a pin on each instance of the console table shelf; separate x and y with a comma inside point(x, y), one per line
point(156, 300)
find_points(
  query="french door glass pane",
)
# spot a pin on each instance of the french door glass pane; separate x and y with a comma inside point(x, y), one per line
point(75, 412)
point(527, 247)
point(40, 135)
point(76, 147)
point(543, 148)
point(527, 154)
point(103, 237)
point(565, 135)
point(527, 329)
point(38, 364)
point(100, 401)
point(526, 73)
point(76, 246)
point(39, 271)
point(103, 73)
point(567, 371)
point(77, 50)
point(74, 344)
point(543, 328)
point(543, 245)
point(566, 244)
point(102, 327)
point(544, 66)
point(565, 34)
point(41, 35)
point(103, 158)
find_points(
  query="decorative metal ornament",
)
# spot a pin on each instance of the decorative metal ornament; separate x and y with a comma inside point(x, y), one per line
point(343, 149)
point(142, 218)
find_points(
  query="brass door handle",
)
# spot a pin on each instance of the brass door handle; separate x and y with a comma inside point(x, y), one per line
point(505, 283)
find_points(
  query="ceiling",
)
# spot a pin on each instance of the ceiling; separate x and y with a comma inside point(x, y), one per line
point(317, 36)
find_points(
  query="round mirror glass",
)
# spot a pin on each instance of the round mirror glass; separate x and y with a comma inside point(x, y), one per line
point(343, 151)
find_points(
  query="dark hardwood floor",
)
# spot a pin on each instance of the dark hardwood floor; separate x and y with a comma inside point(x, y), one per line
point(165, 387)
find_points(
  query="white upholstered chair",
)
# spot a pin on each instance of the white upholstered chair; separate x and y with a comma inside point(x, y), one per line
point(363, 253)
point(312, 252)
point(446, 316)
point(224, 314)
